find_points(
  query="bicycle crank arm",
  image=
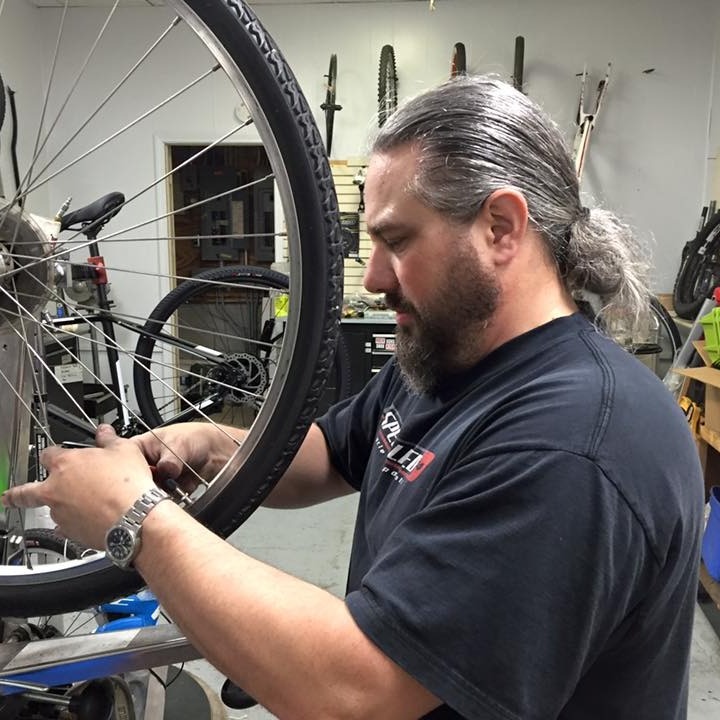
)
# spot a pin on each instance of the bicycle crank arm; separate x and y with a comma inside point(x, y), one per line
point(61, 661)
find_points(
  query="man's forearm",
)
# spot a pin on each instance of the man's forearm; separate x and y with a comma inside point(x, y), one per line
point(290, 644)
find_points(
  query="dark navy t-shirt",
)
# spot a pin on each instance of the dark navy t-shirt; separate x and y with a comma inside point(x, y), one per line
point(527, 541)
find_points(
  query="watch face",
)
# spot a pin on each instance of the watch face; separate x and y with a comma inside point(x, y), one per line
point(120, 544)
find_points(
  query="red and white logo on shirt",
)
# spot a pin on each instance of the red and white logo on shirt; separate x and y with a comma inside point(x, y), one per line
point(404, 461)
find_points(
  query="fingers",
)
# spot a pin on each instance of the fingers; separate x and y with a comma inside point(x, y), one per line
point(105, 435)
point(28, 495)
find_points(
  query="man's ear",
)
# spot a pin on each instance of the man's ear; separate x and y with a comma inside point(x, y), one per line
point(504, 219)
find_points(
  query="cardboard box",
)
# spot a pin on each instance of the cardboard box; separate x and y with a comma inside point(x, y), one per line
point(710, 377)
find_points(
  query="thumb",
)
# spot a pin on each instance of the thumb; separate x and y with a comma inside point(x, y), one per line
point(105, 435)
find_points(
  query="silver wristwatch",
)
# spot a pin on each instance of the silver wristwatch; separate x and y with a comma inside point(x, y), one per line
point(122, 541)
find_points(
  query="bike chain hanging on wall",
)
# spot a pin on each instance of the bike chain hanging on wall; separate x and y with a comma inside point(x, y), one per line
point(387, 85)
point(329, 107)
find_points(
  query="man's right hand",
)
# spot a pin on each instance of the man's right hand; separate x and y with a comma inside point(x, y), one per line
point(187, 452)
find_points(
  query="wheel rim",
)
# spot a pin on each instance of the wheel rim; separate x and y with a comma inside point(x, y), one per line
point(209, 34)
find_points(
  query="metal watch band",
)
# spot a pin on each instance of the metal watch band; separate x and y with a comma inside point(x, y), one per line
point(143, 505)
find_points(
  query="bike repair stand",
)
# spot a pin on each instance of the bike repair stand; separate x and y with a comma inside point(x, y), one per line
point(33, 669)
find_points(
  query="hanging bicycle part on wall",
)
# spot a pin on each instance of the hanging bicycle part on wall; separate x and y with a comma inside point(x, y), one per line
point(330, 107)
point(519, 63)
point(387, 85)
point(350, 224)
point(586, 120)
point(458, 64)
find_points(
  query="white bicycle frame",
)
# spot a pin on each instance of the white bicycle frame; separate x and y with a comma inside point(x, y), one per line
point(586, 120)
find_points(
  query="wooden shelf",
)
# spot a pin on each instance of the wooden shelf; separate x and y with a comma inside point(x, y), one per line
point(712, 588)
point(711, 437)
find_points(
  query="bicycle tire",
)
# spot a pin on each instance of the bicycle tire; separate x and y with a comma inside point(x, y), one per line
point(458, 64)
point(699, 273)
point(387, 85)
point(161, 320)
point(2, 102)
point(519, 63)
point(668, 342)
point(329, 106)
point(49, 539)
point(254, 66)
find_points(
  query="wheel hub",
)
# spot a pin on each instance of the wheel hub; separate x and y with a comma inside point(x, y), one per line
point(24, 281)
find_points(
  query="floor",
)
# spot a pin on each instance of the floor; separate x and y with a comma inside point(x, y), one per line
point(314, 544)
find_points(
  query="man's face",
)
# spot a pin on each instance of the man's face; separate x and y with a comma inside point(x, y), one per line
point(431, 272)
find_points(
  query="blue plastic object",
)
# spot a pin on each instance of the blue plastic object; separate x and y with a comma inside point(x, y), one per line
point(711, 538)
point(133, 611)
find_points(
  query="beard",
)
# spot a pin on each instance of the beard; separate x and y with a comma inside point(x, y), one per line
point(439, 342)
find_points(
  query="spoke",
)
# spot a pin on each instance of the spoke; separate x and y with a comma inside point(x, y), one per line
point(18, 190)
point(15, 392)
point(61, 253)
point(108, 97)
point(78, 77)
point(40, 359)
point(123, 129)
point(147, 238)
point(114, 345)
point(196, 156)
point(260, 344)
point(35, 378)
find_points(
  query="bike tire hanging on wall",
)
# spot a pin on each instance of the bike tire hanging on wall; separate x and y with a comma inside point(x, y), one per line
point(330, 106)
point(458, 64)
point(387, 85)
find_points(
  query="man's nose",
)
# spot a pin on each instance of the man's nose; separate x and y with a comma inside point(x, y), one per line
point(379, 274)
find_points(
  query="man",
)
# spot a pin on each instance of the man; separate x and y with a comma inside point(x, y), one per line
point(527, 539)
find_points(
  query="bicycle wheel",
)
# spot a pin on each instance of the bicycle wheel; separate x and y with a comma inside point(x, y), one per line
point(41, 547)
point(228, 61)
point(655, 344)
point(658, 349)
point(458, 66)
point(225, 363)
point(699, 273)
point(387, 85)
point(329, 107)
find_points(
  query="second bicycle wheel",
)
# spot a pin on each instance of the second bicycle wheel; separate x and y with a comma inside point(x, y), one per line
point(214, 342)
point(387, 85)
point(232, 86)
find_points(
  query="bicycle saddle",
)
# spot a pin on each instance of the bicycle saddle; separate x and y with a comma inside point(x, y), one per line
point(97, 213)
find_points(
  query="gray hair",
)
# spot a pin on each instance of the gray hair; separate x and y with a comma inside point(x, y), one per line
point(477, 134)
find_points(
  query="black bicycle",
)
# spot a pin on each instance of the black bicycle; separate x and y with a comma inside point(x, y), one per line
point(699, 272)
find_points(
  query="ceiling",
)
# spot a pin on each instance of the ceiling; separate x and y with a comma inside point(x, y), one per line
point(109, 3)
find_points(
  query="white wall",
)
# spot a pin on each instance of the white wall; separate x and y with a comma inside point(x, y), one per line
point(713, 184)
point(20, 48)
point(648, 156)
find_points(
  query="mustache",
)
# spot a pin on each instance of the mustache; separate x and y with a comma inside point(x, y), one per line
point(396, 302)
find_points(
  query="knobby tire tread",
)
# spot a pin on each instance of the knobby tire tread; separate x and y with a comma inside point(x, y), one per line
point(387, 84)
